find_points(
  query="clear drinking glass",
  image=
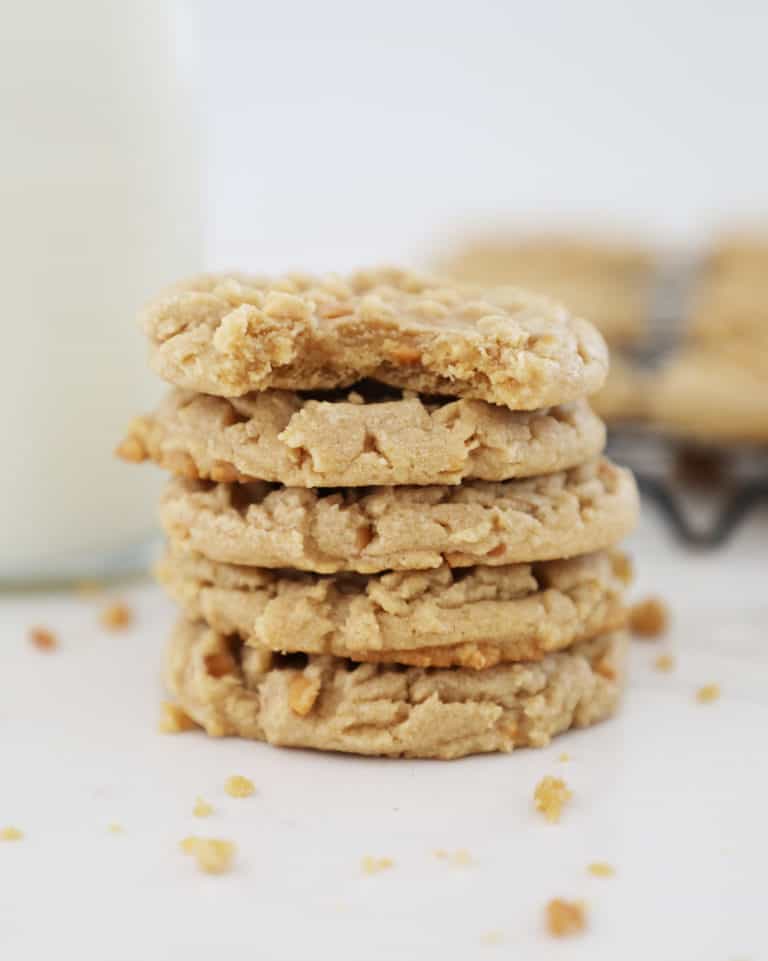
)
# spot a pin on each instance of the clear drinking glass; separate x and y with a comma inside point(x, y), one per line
point(99, 208)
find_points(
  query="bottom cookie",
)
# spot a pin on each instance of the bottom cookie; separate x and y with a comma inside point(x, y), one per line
point(333, 704)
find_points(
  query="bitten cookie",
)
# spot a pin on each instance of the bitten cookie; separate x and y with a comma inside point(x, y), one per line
point(375, 529)
point(331, 704)
point(470, 617)
point(359, 438)
point(232, 335)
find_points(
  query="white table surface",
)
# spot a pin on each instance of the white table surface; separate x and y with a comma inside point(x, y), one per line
point(672, 793)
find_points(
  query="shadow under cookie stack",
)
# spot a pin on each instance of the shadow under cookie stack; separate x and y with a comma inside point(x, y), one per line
point(390, 527)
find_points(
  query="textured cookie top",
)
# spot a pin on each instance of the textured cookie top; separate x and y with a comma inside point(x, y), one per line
point(471, 617)
point(374, 529)
point(229, 335)
point(333, 704)
point(358, 439)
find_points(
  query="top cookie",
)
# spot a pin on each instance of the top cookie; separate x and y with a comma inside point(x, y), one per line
point(230, 335)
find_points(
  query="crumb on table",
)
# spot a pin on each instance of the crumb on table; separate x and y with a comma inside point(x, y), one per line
point(649, 618)
point(664, 662)
point(239, 786)
point(115, 828)
point(43, 639)
point(565, 918)
point(564, 757)
point(372, 865)
point(116, 616)
point(599, 869)
point(173, 720)
point(202, 808)
point(214, 855)
point(708, 693)
point(11, 834)
point(550, 796)
point(460, 858)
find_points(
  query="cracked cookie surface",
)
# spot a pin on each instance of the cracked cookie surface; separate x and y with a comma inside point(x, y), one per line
point(470, 617)
point(375, 529)
point(230, 335)
point(331, 704)
point(354, 440)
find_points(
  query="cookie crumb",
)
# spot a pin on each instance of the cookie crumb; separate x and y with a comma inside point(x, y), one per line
point(649, 618)
point(116, 616)
point(565, 918)
point(202, 808)
point(11, 834)
point(239, 786)
point(43, 639)
point(492, 937)
point(599, 869)
point(115, 828)
point(564, 757)
point(708, 693)
point(302, 694)
point(173, 720)
point(664, 662)
point(550, 796)
point(371, 865)
point(460, 858)
point(214, 855)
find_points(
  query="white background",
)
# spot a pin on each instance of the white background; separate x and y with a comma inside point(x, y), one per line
point(346, 132)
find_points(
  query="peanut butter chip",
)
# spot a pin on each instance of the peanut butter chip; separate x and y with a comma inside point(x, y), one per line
point(302, 694)
point(220, 664)
point(599, 869)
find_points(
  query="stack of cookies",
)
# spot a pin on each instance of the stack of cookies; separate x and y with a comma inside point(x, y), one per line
point(390, 527)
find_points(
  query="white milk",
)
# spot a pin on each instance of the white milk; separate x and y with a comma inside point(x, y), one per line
point(99, 209)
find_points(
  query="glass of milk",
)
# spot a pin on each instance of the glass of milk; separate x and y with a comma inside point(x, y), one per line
point(99, 209)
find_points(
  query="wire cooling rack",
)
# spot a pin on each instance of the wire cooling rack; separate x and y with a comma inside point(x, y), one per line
point(705, 491)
